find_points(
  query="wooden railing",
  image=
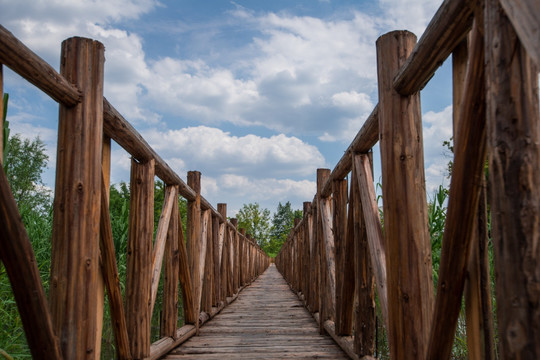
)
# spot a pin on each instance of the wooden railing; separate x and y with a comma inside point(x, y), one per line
point(339, 252)
point(212, 262)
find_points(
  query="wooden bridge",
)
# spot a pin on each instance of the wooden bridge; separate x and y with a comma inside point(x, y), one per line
point(338, 259)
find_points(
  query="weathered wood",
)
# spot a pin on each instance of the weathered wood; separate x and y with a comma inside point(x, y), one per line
point(465, 189)
point(161, 347)
point(139, 257)
point(19, 260)
point(254, 328)
point(208, 282)
point(26, 63)
point(111, 277)
point(75, 237)
point(445, 31)
point(364, 329)
point(1, 114)
point(408, 246)
point(194, 241)
point(364, 140)
point(169, 201)
point(169, 314)
point(185, 276)
point(120, 130)
point(344, 245)
point(525, 18)
point(222, 209)
point(216, 261)
point(375, 239)
point(307, 252)
point(513, 137)
point(315, 260)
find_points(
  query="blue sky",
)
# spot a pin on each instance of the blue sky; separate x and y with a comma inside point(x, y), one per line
point(254, 94)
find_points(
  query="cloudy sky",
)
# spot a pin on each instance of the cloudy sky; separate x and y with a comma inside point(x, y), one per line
point(254, 94)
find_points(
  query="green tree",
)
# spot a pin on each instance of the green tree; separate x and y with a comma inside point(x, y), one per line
point(256, 221)
point(282, 223)
point(24, 164)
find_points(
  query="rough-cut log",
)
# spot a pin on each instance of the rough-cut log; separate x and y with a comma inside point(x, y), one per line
point(465, 190)
point(216, 261)
point(525, 17)
point(26, 63)
point(513, 146)
point(344, 260)
point(306, 223)
point(445, 31)
point(375, 239)
point(208, 282)
point(365, 139)
point(408, 246)
point(75, 237)
point(222, 209)
point(185, 276)
point(194, 243)
point(112, 280)
point(121, 131)
point(20, 262)
point(170, 200)
point(139, 257)
point(364, 333)
point(315, 259)
point(169, 314)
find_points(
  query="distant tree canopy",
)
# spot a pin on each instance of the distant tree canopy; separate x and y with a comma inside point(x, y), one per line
point(270, 235)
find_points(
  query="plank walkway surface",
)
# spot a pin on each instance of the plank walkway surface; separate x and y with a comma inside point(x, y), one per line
point(267, 321)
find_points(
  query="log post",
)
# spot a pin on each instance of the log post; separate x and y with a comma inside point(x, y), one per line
point(222, 209)
point(408, 258)
point(315, 259)
point(325, 242)
point(75, 238)
point(194, 241)
point(364, 333)
point(139, 257)
point(307, 254)
point(208, 284)
point(169, 313)
point(344, 242)
point(185, 276)
point(513, 138)
point(216, 261)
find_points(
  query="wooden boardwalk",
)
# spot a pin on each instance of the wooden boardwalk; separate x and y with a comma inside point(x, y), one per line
point(267, 321)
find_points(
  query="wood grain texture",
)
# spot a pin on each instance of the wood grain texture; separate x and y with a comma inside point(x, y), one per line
point(75, 236)
point(525, 18)
point(254, 328)
point(171, 272)
point(513, 146)
point(465, 189)
point(139, 257)
point(408, 246)
point(185, 276)
point(445, 31)
point(20, 263)
point(194, 242)
point(30, 66)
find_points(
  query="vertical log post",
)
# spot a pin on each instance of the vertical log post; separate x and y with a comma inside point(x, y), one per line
point(326, 301)
point(75, 238)
point(232, 254)
point(208, 269)
point(513, 146)
point(410, 283)
point(139, 257)
point(222, 209)
point(307, 254)
point(185, 276)
point(364, 336)
point(344, 242)
point(315, 259)
point(216, 261)
point(169, 314)
point(194, 241)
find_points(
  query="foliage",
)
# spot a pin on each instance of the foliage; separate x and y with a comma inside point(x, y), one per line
point(436, 220)
point(24, 166)
point(282, 223)
point(256, 221)
point(5, 129)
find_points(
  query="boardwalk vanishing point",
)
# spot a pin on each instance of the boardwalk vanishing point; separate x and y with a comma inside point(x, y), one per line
point(267, 321)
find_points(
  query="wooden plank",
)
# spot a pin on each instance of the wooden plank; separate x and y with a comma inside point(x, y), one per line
point(75, 236)
point(139, 257)
point(513, 138)
point(375, 239)
point(30, 66)
point(445, 31)
point(252, 327)
point(170, 200)
point(344, 247)
point(365, 325)
point(111, 277)
point(185, 277)
point(465, 188)
point(169, 313)
point(20, 262)
point(408, 245)
point(525, 18)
